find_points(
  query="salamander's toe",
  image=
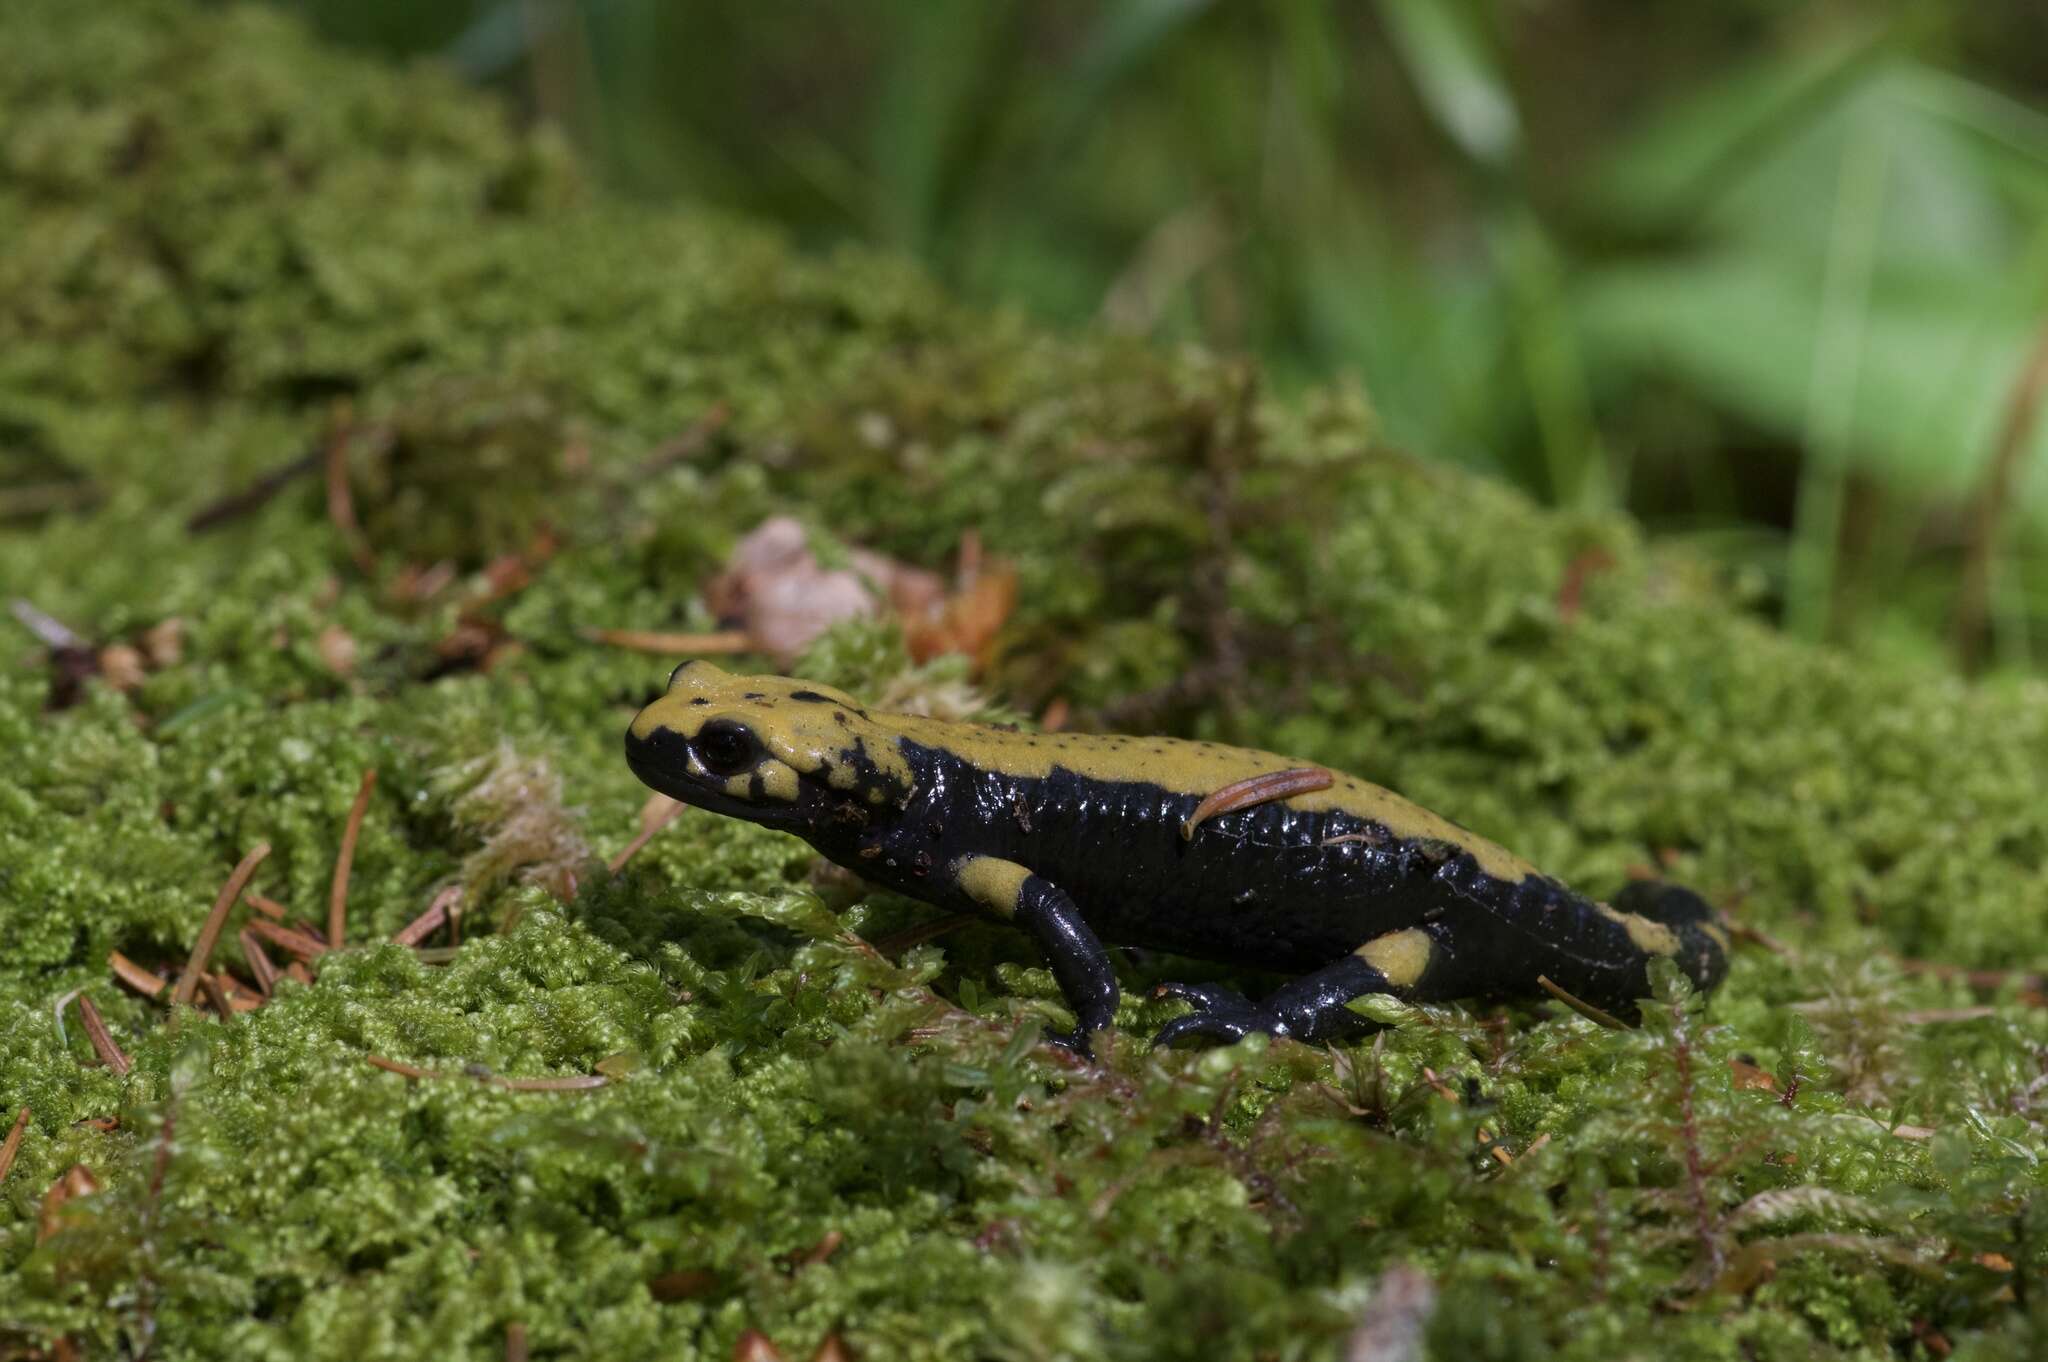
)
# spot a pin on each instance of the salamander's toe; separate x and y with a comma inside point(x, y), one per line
point(1221, 1017)
point(1074, 1042)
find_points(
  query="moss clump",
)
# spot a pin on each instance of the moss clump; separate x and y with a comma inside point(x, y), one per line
point(220, 234)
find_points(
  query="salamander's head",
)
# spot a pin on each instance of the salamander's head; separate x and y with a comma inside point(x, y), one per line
point(770, 749)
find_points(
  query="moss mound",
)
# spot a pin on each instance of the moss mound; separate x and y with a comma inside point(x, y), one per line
point(230, 250)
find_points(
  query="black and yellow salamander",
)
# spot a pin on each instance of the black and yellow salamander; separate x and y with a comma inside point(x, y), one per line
point(1191, 847)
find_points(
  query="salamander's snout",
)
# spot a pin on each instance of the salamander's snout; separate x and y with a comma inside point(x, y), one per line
point(659, 755)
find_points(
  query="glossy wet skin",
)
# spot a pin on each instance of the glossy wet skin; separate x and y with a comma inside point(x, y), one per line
point(1071, 835)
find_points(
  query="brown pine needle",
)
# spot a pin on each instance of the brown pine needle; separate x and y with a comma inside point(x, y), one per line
point(646, 835)
point(298, 943)
point(260, 963)
point(1256, 790)
point(431, 921)
point(217, 996)
point(202, 949)
point(515, 1343)
point(270, 908)
point(652, 641)
point(1581, 1006)
point(394, 1067)
point(102, 1039)
point(136, 977)
point(341, 502)
point(337, 897)
point(13, 1144)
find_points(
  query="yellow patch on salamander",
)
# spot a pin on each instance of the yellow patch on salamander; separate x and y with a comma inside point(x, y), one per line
point(1401, 956)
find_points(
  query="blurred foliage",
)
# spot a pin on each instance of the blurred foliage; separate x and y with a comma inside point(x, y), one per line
point(1769, 275)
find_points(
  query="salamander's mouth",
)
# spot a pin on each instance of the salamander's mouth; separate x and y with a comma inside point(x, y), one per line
point(662, 760)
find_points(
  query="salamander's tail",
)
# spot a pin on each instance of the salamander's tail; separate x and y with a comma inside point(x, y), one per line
point(1702, 936)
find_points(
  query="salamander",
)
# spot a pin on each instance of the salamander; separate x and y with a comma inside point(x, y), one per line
point(1204, 850)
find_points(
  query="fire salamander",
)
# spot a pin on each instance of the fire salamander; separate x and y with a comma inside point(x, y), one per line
point(1191, 847)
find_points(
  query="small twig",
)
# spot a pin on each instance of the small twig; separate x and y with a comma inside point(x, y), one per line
point(13, 1143)
point(515, 1342)
point(394, 1067)
point(431, 921)
point(102, 1039)
point(646, 835)
point(653, 641)
point(260, 963)
point(1581, 1006)
point(1255, 790)
point(337, 896)
point(249, 498)
point(298, 943)
point(202, 949)
point(217, 995)
point(149, 985)
point(269, 907)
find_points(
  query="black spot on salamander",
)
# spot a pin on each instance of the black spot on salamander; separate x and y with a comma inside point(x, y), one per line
point(753, 695)
point(839, 717)
point(809, 697)
point(700, 700)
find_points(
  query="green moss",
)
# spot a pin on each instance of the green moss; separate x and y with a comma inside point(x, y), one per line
point(225, 241)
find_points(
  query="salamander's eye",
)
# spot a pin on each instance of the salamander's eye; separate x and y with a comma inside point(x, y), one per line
point(727, 748)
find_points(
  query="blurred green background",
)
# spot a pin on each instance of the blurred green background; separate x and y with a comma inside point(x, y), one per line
point(1772, 276)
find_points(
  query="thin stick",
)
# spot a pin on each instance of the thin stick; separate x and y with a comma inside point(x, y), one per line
point(149, 985)
point(1256, 790)
point(646, 835)
point(7, 1150)
point(269, 907)
point(202, 949)
point(394, 1067)
point(252, 496)
point(337, 897)
point(102, 1040)
point(217, 995)
point(923, 932)
point(298, 943)
point(431, 921)
point(1581, 1006)
point(651, 641)
point(260, 963)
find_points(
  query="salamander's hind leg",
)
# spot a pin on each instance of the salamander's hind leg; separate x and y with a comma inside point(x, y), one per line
point(1311, 1008)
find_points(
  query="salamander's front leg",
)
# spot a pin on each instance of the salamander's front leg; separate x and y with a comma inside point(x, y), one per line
point(1311, 1008)
point(1042, 908)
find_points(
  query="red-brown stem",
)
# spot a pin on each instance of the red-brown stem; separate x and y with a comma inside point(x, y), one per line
point(202, 949)
point(149, 985)
point(102, 1039)
point(260, 963)
point(646, 835)
point(431, 921)
point(13, 1143)
point(1255, 790)
point(337, 897)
